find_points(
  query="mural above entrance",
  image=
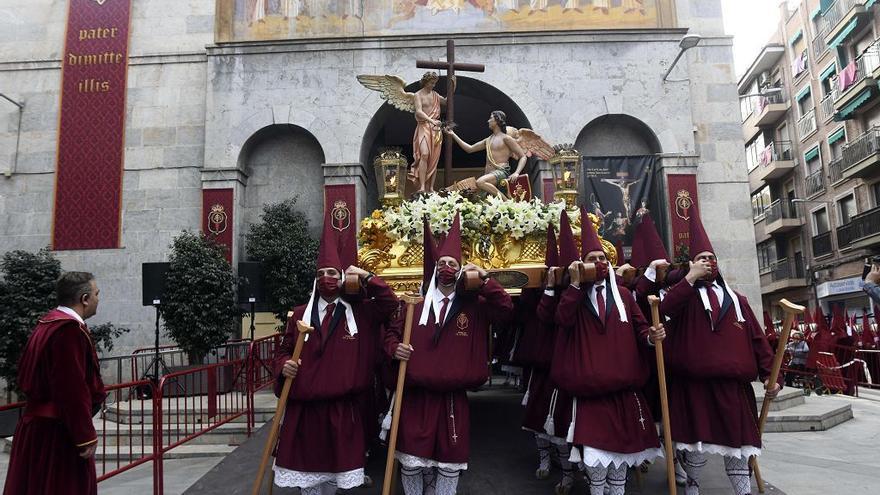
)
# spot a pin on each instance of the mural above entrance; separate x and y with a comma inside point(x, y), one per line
point(260, 20)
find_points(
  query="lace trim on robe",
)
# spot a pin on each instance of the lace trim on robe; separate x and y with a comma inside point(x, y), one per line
point(287, 478)
point(416, 461)
point(595, 457)
point(745, 451)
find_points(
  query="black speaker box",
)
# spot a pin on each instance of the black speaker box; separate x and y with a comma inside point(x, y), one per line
point(250, 282)
point(153, 278)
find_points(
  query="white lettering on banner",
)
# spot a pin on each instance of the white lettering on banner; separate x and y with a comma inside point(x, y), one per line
point(842, 286)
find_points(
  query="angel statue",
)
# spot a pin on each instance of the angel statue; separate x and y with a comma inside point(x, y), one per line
point(425, 104)
point(503, 144)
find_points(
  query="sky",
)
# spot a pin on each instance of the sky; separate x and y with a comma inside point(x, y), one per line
point(752, 23)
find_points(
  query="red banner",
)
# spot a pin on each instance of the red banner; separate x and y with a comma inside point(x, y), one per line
point(549, 189)
point(217, 209)
point(340, 210)
point(88, 180)
point(683, 205)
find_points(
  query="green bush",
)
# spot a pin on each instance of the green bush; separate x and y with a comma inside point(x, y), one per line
point(199, 308)
point(27, 292)
point(282, 244)
point(103, 335)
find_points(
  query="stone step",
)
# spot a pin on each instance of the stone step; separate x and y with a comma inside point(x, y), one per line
point(127, 434)
point(789, 397)
point(817, 414)
point(113, 454)
point(869, 393)
point(190, 409)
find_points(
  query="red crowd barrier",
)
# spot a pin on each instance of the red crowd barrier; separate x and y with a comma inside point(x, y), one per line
point(140, 420)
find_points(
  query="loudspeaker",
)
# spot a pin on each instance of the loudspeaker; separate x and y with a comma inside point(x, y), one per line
point(153, 279)
point(250, 282)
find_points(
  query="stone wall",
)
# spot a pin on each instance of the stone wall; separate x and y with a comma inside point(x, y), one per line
point(192, 107)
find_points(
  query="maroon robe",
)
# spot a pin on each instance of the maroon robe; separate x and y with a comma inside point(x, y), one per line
point(323, 429)
point(711, 399)
point(645, 288)
point(446, 362)
point(60, 376)
point(604, 367)
point(542, 328)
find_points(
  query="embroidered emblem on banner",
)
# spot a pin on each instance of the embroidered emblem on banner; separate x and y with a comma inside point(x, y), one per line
point(217, 220)
point(683, 203)
point(462, 323)
point(340, 216)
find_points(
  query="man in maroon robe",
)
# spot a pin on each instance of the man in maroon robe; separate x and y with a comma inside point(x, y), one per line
point(448, 355)
point(548, 409)
point(599, 359)
point(54, 444)
point(321, 443)
point(715, 349)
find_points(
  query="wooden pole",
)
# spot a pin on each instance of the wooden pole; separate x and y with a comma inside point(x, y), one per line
point(279, 409)
point(791, 311)
point(664, 399)
point(411, 300)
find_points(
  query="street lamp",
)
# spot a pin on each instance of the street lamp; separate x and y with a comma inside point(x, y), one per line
point(566, 166)
point(390, 166)
point(689, 41)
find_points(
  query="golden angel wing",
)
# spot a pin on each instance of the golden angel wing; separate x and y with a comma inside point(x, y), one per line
point(391, 89)
point(531, 143)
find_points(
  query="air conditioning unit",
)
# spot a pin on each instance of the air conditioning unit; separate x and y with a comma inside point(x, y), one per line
point(764, 80)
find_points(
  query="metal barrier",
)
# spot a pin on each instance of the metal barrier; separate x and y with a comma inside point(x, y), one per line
point(140, 420)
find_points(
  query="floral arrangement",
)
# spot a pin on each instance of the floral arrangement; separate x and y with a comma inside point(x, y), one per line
point(518, 219)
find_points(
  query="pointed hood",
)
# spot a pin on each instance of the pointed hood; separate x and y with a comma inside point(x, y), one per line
point(618, 247)
point(808, 319)
point(699, 241)
point(328, 252)
point(769, 330)
point(551, 254)
point(568, 252)
point(867, 333)
point(452, 244)
point(589, 236)
point(821, 322)
point(647, 245)
point(838, 321)
point(429, 259)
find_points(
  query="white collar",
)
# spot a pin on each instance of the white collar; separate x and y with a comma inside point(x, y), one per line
point(437, 303)
point(349, 313)
point(65, 309)
point(322, 305)
point(704, 296)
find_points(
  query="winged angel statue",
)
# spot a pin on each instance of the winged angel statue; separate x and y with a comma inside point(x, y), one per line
point(504, 143)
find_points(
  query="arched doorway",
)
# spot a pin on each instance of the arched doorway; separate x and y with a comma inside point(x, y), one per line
point(282, 161)
point(621, 175)
point(474, 100)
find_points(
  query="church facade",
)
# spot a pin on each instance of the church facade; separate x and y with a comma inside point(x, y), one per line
point(261, 97)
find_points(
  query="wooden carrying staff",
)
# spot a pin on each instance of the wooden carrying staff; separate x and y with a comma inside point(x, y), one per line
point(279, 409)
point(664, 400)
point(411, 300)
point(791, 311)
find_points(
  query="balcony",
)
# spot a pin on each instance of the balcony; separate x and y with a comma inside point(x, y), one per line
point(781, 217)
point(826, 107)
point(836, 170)
point(784, 274)
point(822, 245)
point(820, 47)
point(863, 230)
point(814, 183)
point(843, 18)
point(775, 161)
point(855, 85)
point(861, 155)
point(771, 108)
point(806, 125)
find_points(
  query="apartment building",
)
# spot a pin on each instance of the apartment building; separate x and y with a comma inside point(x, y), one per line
point(810, 104)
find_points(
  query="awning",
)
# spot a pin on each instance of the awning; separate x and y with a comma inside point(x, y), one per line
point(803, 93)
point(843, 34)
point(825, 5)
point(830, 71)
point(816, 12)
point(797, 36)
point(813, 153)
point(869, 3)
point(851, 107)
point(837, 136)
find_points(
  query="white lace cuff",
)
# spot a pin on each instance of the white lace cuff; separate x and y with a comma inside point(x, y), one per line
point(743, 452)
point(287, 478)
point(412, 461)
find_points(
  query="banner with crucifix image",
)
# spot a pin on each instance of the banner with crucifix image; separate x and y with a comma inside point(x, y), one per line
point(617, 190)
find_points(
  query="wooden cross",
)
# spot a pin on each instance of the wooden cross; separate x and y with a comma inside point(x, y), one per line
point(450, 67)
